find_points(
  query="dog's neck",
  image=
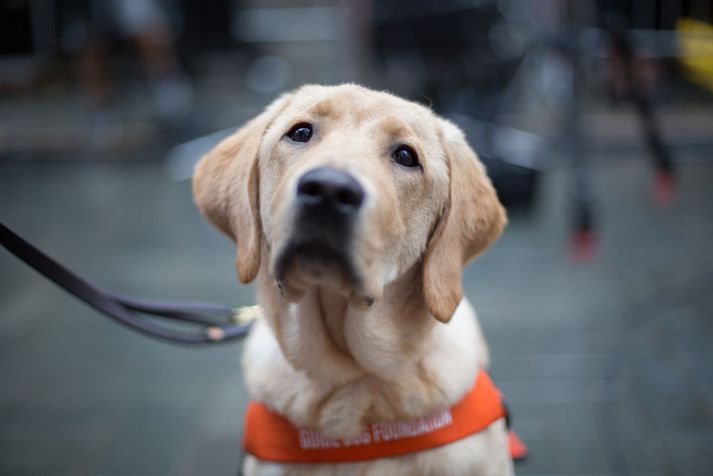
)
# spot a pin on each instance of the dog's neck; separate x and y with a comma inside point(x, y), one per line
point(334, 342)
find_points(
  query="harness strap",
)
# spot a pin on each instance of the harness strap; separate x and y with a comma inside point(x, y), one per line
point(270, 436)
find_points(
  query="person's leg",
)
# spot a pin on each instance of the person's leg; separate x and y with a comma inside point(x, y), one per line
point(89, 31)
point(94, 74)
point(146, 23)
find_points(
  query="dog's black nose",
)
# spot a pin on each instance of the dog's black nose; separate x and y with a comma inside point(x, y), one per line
point(332, 188)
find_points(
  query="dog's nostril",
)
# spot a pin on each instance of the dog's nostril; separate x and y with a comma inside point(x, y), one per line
point(348, 196)
point(312, 189)
point(332, 188)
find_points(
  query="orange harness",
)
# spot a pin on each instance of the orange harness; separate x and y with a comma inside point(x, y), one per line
point(270, 436)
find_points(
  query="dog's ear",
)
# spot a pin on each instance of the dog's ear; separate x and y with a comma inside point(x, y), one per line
point(225, 188)
point(472, 219)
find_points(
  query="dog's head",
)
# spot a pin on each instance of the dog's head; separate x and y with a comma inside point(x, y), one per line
point(347, 188)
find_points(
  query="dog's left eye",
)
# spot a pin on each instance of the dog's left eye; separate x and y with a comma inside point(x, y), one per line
point(301, 132)
point(405, 156)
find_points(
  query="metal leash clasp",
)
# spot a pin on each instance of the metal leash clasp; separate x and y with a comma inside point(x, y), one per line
point(243, 317)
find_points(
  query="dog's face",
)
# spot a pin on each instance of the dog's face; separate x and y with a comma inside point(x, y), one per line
point(347, 189)
point(351, 185)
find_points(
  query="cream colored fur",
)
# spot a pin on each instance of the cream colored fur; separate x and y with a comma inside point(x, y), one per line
point(400, 341)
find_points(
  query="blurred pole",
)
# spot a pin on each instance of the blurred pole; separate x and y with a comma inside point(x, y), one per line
point(574, 16)
point(616, 23)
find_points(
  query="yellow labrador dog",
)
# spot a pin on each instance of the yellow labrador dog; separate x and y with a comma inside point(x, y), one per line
point(356, 211)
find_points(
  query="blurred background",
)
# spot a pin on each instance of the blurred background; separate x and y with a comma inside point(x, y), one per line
point(595, 119)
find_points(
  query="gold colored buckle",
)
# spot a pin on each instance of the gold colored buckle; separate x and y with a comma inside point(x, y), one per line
point(245, 314)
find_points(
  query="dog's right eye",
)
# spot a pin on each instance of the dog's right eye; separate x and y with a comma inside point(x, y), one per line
point(301, 132)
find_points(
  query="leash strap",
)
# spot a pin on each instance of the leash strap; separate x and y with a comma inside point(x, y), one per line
point(213, 322)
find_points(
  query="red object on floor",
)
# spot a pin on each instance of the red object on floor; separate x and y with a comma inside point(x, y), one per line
point(583, 246)
point(518, 450)
point(664, 188)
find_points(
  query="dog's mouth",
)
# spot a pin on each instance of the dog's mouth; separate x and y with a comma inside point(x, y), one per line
point(316, 262)
point(318, 255)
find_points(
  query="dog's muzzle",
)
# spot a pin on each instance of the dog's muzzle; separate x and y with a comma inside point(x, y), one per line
point(327, 204)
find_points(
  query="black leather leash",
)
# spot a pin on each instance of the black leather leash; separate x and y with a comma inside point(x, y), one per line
point(211, 323)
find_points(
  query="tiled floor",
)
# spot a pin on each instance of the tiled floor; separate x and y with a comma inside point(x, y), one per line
point(608, 366)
